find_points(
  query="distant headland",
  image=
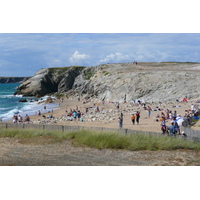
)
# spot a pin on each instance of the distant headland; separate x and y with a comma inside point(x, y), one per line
point(13, 79)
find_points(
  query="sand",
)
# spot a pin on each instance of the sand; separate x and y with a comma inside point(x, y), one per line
point(146, 124)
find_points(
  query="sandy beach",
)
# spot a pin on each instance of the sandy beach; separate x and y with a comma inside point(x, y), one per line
point(111, 114)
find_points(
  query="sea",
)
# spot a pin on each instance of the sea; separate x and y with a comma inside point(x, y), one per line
point(10, 105)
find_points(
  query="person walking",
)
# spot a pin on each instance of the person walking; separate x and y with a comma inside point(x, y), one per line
point(137, 117)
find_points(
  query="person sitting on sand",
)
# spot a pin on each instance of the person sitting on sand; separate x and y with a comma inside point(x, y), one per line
point(27, 118)
point(163, 115)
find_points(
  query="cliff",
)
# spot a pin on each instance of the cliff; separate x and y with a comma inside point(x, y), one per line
point(49, 80)
point(116, 82)
point(13, 79)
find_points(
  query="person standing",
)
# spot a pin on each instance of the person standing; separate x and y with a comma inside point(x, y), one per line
point(120, 120)
point(163, 126)
point(171, 129)
point(192, 108)
point(149, 111)
point(74, 115)
point(176, 129)
point(137, 117)
point(133, 119)
point(79, 115)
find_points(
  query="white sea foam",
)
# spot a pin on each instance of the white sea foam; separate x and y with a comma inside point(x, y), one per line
point(9, 114)
point(6, 96)
point(18, 96)
point(30, 108)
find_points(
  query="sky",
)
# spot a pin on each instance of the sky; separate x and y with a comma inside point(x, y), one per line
point(23, 54)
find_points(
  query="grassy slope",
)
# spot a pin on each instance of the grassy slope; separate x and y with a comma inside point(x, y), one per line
point(104, 140)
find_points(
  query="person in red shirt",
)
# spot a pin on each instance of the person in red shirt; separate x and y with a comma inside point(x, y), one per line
point(137, 117)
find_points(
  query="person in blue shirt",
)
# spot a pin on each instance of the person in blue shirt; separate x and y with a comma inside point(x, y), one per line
point(171, 129)
point(74, 115)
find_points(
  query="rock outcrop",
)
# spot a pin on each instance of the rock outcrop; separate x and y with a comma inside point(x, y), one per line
point(152, 82)
point(49, 80)
point(13, 79)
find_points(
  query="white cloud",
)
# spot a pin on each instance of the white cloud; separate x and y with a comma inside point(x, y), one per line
point(78, 58)
point(116, 57)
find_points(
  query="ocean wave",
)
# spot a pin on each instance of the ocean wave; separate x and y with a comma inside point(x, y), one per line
point(30, 108)
point(3, 109)
point(20, 96)
point(6, 96)
point(8, 115)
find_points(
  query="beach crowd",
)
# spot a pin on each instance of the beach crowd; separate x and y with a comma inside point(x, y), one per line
point(88, 111)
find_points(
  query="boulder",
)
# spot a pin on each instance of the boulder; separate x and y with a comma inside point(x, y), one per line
point(22, 100)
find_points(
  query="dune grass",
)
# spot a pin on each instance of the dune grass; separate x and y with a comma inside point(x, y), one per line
point(105, 140)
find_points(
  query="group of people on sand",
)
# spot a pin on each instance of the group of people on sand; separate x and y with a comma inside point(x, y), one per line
point(134, 118)
point(77, 115)
point(74, 114)
point(165, 115)
point(19, 119)
point(174, 128)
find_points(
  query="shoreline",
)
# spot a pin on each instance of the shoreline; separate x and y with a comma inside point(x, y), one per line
point(35, 108)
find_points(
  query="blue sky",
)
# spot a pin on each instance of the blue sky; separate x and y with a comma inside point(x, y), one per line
point(23, 54)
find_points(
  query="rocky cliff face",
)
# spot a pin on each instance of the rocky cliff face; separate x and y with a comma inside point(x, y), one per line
point(13, 79)
point(116, 82)
point(49, 80)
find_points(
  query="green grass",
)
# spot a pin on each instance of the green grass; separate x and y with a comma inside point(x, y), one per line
point(105, 73)
point(61, 70)
point(88, 75)
point(104, 140)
